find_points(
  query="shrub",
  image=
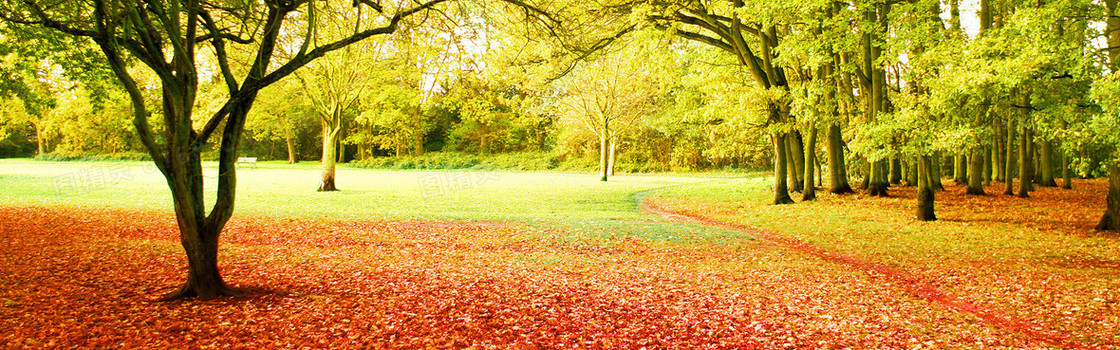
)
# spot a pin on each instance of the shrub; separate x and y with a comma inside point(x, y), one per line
point(459, 160)
point(93, 156)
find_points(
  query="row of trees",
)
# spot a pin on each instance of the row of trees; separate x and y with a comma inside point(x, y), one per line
point(906, 82)
point(884, 91)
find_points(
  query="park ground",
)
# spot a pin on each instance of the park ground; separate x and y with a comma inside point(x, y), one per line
point(408, 259)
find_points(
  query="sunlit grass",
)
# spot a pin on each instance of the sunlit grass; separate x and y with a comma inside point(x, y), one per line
point(574, 202)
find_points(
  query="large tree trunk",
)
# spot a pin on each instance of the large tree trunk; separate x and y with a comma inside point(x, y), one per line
point(42, 143)
point(1111, 218)
point(198, 232)
point(810, 191)
point(291, 150)
point(204, 279)
point(328, 161)
point(797, 160)
point(781, 188)
point(925, 191)
point(791, 165)
point(1110, 221)
point(1046, 164)
point(878, 183)
point(838, 177)
point(976, 173)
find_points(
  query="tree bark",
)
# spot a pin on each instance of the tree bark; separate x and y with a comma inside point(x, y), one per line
point(1009, 161)
point(976, 173)
point(935, 172)
point(418, 133)
point(1026, 174)
point(610, 158)
point(781, 189)
point(1110, 221)
point(603, 140)
point(810, 191)
point(341, 145)
point(793, 153)
point(328, 161)
point(42, 143)
point(1111, 218)
point(998, 153)
point(987, 154)
point(838, 177)
point(925, 207)
point(798, 157)
point(878, 183)
point(1046, 164)
point(291, 150)
point(895, 170)
point(960, 169)
point(912, 171)
point(204, 279)
point(820, 178)
point(865, 183)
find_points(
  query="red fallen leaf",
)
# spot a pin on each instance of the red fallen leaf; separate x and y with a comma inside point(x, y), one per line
point(311, 282)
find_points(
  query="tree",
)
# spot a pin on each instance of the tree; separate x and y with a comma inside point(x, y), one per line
point(168, 38)
point(281, 115)
point(1109, 91)
point(609, 97)
point(732, 27)
point(335, 84)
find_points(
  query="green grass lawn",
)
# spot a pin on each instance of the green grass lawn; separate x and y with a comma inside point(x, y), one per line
point(575, 201)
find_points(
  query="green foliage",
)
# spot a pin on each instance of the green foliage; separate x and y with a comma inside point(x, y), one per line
point(528, 161)
point(88, 156)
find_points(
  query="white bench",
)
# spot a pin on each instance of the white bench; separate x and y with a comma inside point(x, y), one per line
point(248, 160)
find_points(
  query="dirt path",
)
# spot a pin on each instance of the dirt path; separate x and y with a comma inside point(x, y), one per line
point(912, 283)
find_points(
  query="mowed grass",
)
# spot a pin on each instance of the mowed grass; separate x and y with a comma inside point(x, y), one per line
point(274, 189)
point(578, 203)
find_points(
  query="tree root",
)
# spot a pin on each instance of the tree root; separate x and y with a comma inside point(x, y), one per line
point(186, 291)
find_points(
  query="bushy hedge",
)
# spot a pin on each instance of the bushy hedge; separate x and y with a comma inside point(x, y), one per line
point(456, 160)
point(93, 156)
